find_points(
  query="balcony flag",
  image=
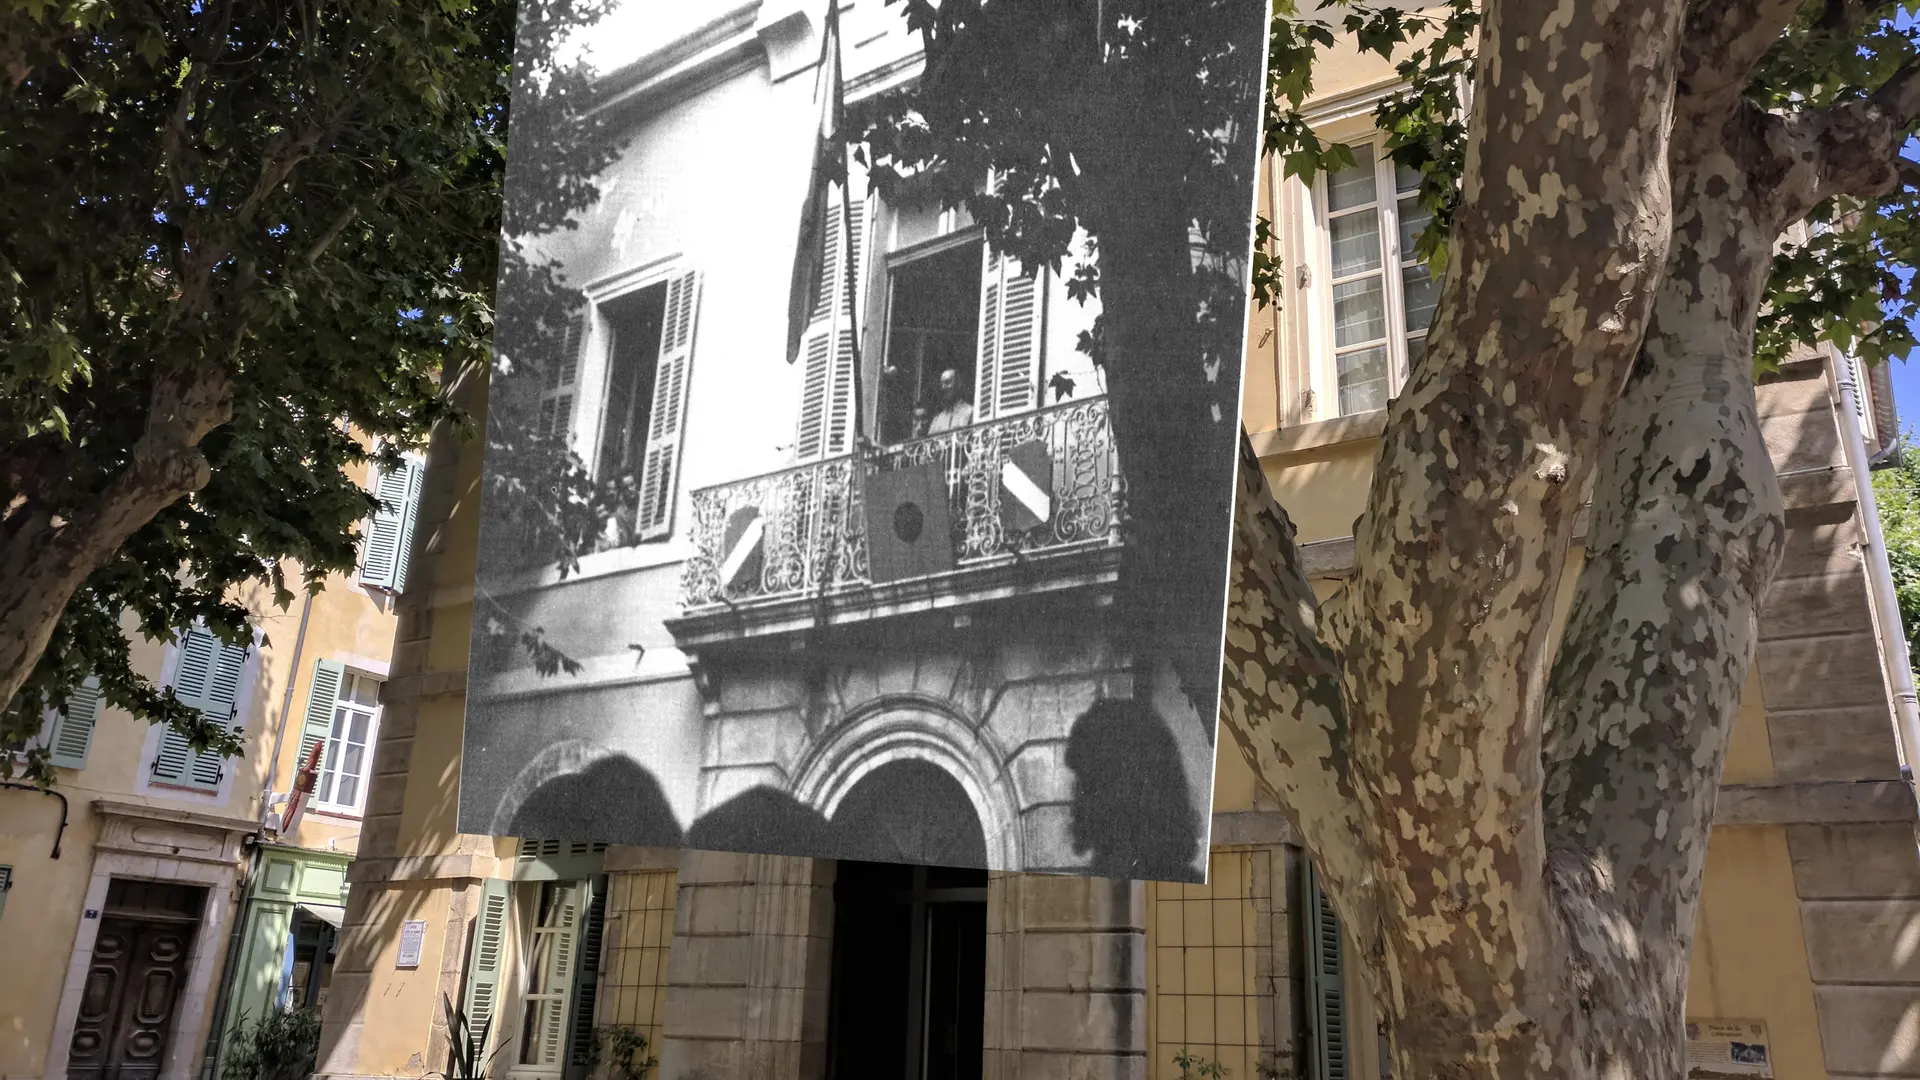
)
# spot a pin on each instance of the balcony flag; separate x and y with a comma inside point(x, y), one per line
point(829, 164)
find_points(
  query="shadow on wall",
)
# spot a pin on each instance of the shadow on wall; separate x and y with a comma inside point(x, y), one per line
point(578, 791)
point(903, 812)
point(1132, 813)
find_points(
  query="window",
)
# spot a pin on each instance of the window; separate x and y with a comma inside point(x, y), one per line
point(646, 337)
point(343, 710)
point(1380, 297)
point(72, 734)
point(559, 965)
point(207, 674)
point(933, 328)
point(389, 535)
point(6, 885)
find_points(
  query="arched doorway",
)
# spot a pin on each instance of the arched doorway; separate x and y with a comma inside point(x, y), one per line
point(909, 811)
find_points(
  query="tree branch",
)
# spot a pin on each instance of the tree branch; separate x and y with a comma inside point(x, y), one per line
point(40, 567)
point(1687, 527)
point(1281, 697)
point(1856, 144)
point(1724, 41)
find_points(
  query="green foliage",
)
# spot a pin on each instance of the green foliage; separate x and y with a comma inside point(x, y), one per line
point(624, 1049)
point(1896, 490)
point(305, 199)
point(1033, 94)
point(281, 1046)
point(1194, 1067)
point(466, 1058)
point(1850, 282)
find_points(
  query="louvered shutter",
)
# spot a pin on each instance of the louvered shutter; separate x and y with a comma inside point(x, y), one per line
point(826, 396)
point(480, 1003)
point(1326, 983)
point(390, 534)
point(1006, 380)
point(550, 1029)
point(561, 386)
point(72, 735)
point(672, 373)
point(586, 982)
point(322, 697)
point(207, 678)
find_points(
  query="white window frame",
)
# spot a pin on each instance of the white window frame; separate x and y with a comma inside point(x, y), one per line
point(1323, 374)
point(354, 808)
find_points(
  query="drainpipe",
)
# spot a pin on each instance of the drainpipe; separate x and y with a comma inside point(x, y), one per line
point(1885, 602)
point(286, 711)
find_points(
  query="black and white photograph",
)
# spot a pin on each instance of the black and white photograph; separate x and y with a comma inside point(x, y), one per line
point(861, 430)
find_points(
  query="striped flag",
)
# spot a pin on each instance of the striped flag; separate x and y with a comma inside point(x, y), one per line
point(1026, 486)
point(742, 543)
point(829, 164)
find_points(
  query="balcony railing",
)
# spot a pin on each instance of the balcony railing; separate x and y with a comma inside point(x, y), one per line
point(807, 532)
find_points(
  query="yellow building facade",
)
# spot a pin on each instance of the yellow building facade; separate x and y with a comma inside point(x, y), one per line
point(737, 965)
point(152, 897)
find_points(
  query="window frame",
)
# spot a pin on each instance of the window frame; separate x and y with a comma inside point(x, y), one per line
point(358, 806)
point(1323, 375)
point(588, 428)
point(891, 261)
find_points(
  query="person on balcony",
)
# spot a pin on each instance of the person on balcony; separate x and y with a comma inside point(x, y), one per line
point(955, 412)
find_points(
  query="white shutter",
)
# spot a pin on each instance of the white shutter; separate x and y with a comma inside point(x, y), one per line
point(548, 1029)
point(666, 419)
point(826, 396)
point(1007, 379)
point(72, 737)
point(561, 386)
point(390, 533)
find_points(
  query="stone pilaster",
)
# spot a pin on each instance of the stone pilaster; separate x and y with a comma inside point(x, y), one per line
point(750, 968)
point(1066, 978)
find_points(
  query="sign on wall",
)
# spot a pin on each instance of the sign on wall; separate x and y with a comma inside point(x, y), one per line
point(861, 434)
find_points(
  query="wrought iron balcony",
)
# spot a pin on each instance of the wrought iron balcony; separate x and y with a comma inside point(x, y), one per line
point(1017, 490)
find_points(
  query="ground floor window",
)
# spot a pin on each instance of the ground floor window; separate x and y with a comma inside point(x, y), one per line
point(909, 973)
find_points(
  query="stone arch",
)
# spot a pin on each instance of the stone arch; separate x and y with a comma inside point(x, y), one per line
point(634, 809)
point(910, 728)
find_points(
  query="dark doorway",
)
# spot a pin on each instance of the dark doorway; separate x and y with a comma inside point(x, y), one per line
point(909, 973)
point(135, 979)
point(909, 811)
point(933, 326)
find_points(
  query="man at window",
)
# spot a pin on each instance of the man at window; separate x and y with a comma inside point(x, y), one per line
point(955, 412)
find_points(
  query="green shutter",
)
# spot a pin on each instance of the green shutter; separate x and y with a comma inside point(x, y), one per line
point(390, 535)
point(1326, 982)
point(73, 727)
point(207, 677)
point(321, 699)
point(586, 982)
point(481, 1000)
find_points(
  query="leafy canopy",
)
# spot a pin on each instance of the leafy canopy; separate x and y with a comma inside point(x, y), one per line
point(1848, 282)
point(303, 197)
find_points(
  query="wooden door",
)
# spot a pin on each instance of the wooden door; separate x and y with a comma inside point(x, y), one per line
point(134, 983)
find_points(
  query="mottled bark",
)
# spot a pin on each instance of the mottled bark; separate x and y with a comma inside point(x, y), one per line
point(1559, 243)
point(1516, 839)
point(45, 555)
